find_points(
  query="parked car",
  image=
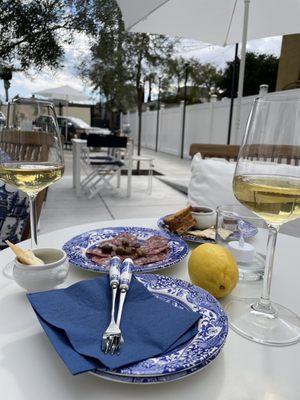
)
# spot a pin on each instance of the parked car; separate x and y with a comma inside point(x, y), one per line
point(72, 127)
point(45, 123)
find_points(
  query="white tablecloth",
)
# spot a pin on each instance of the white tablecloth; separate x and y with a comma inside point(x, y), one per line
point(30, 368)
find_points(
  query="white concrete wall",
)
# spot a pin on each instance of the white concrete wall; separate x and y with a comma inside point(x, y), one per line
point(205, 123)
point(83, 113)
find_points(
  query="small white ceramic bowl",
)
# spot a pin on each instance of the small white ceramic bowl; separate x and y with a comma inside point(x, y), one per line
point(205, 217)
point(45, 276)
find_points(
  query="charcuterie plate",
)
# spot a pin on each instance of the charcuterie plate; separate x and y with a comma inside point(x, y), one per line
point(150, 249)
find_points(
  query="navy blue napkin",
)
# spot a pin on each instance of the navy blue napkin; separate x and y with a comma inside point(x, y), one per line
point(75, 318)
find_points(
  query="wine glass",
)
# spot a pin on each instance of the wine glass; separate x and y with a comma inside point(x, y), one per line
point(31, 155)
point(267, 181)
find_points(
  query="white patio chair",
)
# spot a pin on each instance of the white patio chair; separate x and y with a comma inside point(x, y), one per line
point(100, 168)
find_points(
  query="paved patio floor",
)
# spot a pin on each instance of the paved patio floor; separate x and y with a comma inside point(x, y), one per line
point(63, 208)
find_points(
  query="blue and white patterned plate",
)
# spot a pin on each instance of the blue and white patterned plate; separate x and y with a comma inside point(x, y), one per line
point(189, 358)
point(154, 379)
point(249, 231)
point(77, 246)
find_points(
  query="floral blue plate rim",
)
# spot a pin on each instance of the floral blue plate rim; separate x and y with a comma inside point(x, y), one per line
point(156, 379)
point(250, 230)
point(77, 246)
point(192, 356)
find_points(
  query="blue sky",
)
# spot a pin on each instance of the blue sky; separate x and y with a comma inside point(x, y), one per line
point(27, 84)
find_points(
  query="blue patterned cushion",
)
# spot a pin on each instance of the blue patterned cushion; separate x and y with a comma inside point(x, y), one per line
point(14, 212)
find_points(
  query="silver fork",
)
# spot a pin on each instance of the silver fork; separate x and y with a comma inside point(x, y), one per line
point(125, 279)
point(112, 334)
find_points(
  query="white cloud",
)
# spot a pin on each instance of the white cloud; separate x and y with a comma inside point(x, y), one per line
point(26, 84)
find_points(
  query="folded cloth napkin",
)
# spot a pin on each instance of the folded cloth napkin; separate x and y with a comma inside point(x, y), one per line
point(75, 319)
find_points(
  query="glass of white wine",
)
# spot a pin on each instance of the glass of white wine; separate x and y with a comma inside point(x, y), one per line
point(267, 181)
point(31, 155)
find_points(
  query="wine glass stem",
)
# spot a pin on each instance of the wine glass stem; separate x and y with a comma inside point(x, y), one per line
point(264, 305)
point(33, 221)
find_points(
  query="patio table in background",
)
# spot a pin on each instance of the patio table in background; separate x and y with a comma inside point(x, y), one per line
point(31, 369)
point(78, 145)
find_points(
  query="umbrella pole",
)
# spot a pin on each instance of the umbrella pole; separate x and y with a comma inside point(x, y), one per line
point(232, 92)
point(157, 114)
point(242, 68)
point(67, 112)
point(186, 65)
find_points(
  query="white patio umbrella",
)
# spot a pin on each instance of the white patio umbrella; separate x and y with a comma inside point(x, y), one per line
point(219, 22)
point(66, 93)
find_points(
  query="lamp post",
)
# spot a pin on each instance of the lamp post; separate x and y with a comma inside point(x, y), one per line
point(232, 91)
point(157, 114)
point(6, 76)
point(186, 66)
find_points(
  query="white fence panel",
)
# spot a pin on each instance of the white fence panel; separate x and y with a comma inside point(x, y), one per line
point(169, 138)
point(149, 129)
point(205, 123)
point(197, 125)
point(245, 111)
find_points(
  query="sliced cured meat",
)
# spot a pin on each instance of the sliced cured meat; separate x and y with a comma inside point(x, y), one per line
point(103, 243)
point(96, 251)
point(100, 260)
point(148, 250)
point(154, 245)
point(151, 259)
point(153, 240)
point(119, 240)
point(152, 250)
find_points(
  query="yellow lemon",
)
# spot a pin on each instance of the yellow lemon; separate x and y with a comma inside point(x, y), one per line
point(213, 268)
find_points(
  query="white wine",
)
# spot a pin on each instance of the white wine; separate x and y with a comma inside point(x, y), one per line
point(274, 198)
point(30, 178)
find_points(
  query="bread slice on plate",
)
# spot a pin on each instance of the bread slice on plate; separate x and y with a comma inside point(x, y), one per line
point(181, 221)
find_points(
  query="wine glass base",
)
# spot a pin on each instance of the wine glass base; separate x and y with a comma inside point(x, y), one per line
point(282, 329)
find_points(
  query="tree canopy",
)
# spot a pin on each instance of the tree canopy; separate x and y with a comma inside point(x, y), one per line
point(203, 80)
point(106, 68)
point(32, 32)
point(121, 65)
point(120, 62)
point(260, 69)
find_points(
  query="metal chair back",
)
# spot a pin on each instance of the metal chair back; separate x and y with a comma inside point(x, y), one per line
point(107, 141)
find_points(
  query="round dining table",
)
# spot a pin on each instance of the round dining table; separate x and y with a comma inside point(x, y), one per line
point(30, 368)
